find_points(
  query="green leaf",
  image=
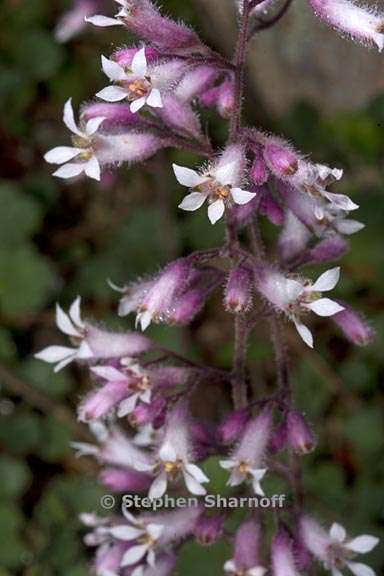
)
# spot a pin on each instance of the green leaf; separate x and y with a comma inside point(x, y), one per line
point(20, 216)
point(15, 477)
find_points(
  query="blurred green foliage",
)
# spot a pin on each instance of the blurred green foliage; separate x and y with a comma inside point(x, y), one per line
point(58, 240)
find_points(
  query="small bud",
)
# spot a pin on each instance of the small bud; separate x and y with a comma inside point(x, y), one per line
point(280, 158)
point(97, 404)
point(146, 413)
point(300, 436)
point(283, 560)
point(259, 171)
point(247, 545)
point(226, 98)
point(238, 291)
point(272, 210)
point(355, 326)
point(209, 529)
point(123, 480)
point(278, 437)
point(332, 248)
point(362, 23)
point(232, 426)
point(113, 114)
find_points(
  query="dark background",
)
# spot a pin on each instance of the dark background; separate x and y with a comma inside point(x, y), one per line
point(59, 240)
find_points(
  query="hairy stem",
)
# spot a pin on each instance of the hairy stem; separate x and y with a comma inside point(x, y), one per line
point(239, 387)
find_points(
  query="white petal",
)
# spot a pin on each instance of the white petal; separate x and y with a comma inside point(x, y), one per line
point(257, 571)
point(327, 281)
point(136, 105)
point(60, 365)
point(337, 532)
point(112, 69)
point(75, 312)
point(224, 174)
point(242, 196)
point(61, 154)
point(257, 476)
point(112, 94)
point(69, 118)
point(93, 125)
point(215, 211)
point(108, 373)
point(236, 478)
point(151, 559)
point(64, 323)
point(227, 464)
point(336, 572)
point(167, 453)
point(305, 333)
point(196, 472)
point(293, 289)
point(155, 530)
point(144, 319)
point(125, 532)
point(139, 63)
point(143, 467)
point(146, 396)
point(325, 307)
point(70, 170)
point(84, 351)
point(103, 21)
point(363, 544)
point(360, 569)
point(127, 406)
point(348, 226)
point(133, 555)
point(54, 354)
point(92, 168)
point(193, 485)
point(192, 201)
point(341, 201)
point(230, 566)
point(158, 487)
point(154, 99)
point(187, 177)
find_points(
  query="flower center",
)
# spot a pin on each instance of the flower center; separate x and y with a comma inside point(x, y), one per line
point(138, 88)
point(172, 468)
point(243, 467)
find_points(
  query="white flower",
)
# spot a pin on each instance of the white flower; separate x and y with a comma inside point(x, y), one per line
point(135, 84)
point(104, 21)
point(146, 536)
point(138, 384)
point(231, 568)
point(82, 152)
point(218, 185)
point(296, 297)
point(241, 470)
point(342, 549)
point(72, 325)
point(170, 464)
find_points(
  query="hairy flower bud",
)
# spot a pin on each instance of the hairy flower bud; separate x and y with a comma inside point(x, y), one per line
point(354, 326)
point(238, 291)
point(230, 430)
point(281, 159)
point(209, 529)
point(283, 560)
point(332, 248)
point(125, 480)
point(300, 436)
point(362, 23)
point(247, 546)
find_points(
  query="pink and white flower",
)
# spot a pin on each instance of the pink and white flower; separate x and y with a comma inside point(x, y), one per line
point(137, 84)
point(334, 549)
point(174, 458)
point(296, 297)
point(247, 460)
point(73, 326)
point(145, 537)
point(219, 184)
point(82, 151)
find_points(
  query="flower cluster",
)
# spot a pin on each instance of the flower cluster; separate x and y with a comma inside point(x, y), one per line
point(148, 437)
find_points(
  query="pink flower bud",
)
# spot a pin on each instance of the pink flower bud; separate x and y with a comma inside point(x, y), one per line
point(226, 98)
point(144, 20)
point(113, 114)
point(293, 238)
point(283, 560)
point(238, 291)
point(272, 210)
point(209, 529)
point(179, 116)
point(124, 480)
point(233, 426)
point(130, 147)
point(196, 83)
point(355, 326)
point(97, 404)
point(281, 159)
point(259, 171)
point(247, 545)
point(362, 23)
point(108, 558)
point(332, 248)
point(278, 438)
point(300, 436)
point(146, 413)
